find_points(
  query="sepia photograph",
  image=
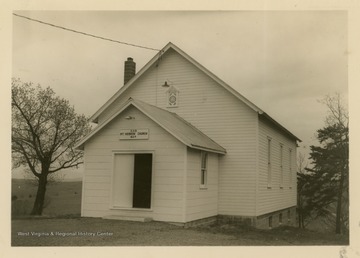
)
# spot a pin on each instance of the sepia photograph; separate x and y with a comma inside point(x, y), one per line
point(182, 128)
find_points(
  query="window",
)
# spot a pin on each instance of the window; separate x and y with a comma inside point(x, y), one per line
point(269, 162)
point(290, 168)
point(270, 222)
point(281, 166)
point(289, 215)
point(280, 218)
point(203, 179)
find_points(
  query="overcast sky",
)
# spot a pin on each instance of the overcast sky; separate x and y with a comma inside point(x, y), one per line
point(282, 61)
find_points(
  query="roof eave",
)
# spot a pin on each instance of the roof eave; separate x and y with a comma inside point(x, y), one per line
point(189, 144)
point(157, 57)
point(80, 145)
point(273, 121)
point(94, 118)
point(198, 147)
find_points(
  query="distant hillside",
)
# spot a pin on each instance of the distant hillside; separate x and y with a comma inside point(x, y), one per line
point(65, 175)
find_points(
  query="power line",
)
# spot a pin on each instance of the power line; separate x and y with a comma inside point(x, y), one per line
point(86, 34)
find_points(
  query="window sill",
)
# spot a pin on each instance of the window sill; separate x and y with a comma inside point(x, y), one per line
point(203, 187)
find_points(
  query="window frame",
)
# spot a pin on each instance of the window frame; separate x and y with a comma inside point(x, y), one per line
point(290, 169)
point(268, 150)
point(270, 221)
point(112, 205)
point(281, 157)
point(204, 157)
point(288, 215)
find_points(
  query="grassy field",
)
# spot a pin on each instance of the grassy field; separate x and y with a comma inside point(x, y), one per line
point(61, 225)
point(62, 198)
point(100, 232)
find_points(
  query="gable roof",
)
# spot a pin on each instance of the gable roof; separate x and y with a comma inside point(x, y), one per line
point(170, 122)
point(157, 57)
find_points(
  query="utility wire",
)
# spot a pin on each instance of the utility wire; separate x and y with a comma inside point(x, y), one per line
point(86, 34)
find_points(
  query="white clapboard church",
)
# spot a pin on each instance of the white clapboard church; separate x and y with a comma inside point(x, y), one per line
point(177, 144)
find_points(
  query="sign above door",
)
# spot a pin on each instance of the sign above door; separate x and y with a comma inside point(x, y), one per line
point(134, 134)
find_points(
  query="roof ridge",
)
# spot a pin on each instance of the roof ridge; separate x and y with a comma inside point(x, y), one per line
point(158, 57)
point(154, 61)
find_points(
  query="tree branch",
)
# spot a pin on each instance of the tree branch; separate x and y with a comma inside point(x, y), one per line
point(35, 138)
point(30, 164)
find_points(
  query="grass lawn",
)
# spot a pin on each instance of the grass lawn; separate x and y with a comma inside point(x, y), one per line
point(61, 225)
point(62, 198)
point(100, 232)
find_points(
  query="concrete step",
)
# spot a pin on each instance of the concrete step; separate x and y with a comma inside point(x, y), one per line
point(128, 218)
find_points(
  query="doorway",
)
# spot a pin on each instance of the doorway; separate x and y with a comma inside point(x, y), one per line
point(132, 180)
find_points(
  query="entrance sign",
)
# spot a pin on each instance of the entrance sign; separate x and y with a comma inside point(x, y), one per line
point(134, 134)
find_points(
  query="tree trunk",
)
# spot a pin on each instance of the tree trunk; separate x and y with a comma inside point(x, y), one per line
point(302, 222)
point(40, 196)
point(301, 219)
point(339, 204)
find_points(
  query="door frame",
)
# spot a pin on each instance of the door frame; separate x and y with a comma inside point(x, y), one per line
point(124, 152)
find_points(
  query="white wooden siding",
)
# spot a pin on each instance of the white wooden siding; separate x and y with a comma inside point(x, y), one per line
point(275, 197)
point(217, 113)
point(168, 169)
point(201, 203)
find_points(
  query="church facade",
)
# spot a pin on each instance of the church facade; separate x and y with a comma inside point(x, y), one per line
point(177, 144)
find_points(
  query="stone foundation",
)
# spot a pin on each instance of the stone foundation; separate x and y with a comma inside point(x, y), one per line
point(284, 217)
point(245, 221)
point(267, 221)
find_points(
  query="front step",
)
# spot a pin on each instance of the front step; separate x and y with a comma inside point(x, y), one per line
point(128, 218)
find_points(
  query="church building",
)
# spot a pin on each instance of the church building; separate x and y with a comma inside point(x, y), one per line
point(177, 144)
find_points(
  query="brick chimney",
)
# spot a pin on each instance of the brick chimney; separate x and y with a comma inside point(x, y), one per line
point(129, 69)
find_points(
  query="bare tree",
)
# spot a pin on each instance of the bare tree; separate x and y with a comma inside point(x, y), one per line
point(45, 129)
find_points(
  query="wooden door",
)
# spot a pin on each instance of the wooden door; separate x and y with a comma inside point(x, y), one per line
point(142, 181)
